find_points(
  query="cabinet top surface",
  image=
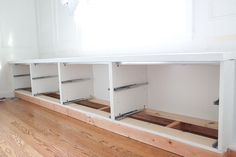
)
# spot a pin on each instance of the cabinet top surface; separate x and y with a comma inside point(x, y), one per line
point(206, 57)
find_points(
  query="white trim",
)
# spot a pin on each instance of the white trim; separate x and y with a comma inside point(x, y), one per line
point(227, 102)
point(8, 94)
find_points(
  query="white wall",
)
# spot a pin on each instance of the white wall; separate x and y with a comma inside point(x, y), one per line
point(101, 82)
point(214, 25)
point(109, 27)
point(18, 37)
point(58, 36)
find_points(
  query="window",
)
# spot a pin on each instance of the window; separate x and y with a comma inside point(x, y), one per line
point(133, 24)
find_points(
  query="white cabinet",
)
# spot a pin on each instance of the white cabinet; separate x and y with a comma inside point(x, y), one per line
point(168, 95)
point(84, 81)
point(21, 76)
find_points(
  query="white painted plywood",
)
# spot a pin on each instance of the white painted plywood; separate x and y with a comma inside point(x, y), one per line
point(131, 99)
point(20, 69)
point(21, 82)
point(77, 90)
point(184, 89)
point(75, 71)
point(40, 70)
point(227, 104)
point(97, 86)
point(101, 82)
point(45, 85)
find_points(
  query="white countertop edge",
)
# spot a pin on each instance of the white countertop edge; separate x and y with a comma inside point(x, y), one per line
point(173, 57)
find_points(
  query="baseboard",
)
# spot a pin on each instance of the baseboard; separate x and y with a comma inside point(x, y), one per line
point(8, 94)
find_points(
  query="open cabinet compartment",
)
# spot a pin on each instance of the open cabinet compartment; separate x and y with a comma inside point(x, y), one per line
point(172, 99)
point(21, 77)
point(85, 86)
point(45, 81)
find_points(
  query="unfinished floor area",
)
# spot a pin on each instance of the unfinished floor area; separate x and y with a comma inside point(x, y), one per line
point(29, 130)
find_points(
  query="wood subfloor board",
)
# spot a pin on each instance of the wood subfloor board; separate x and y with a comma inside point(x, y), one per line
point(90, 104)
point(58, 133)
point(53, 95)
point(152, 119)
point(144, 137)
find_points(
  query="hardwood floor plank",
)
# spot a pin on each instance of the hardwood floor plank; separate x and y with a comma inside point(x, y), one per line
point(9, 140)
point(47, 133)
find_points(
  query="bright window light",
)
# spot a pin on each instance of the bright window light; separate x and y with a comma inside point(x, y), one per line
point(132, 24)
point(70, 5)
point(64, 2)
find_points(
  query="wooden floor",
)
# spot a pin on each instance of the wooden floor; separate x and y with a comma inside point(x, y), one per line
point(27, 130)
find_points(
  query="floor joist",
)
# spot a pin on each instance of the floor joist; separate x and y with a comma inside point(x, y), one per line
point(175, 146)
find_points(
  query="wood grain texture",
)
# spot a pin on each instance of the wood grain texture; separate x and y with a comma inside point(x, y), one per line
point(186, 127)
point(130, 132)
point(90, 104)
point(152, 119)
point(198, 130)
point(231, 153)
point(53, 95)
point(30, 130)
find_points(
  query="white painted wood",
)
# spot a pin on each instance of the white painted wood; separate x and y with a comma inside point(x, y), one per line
point(227, 104)
point(20, 69)
point(60, 79)
point(31, 80)
point(101, 81)
point(188, 90)
point(77, 90)
point(75, 71)
point(44, 85)
point(131, 99)
point(96, 87)
point(204, 57)
point(128, 74)
point(135, 98)
point(39, 70)
point(21, 82)
point(182, 89)
point(111, 91)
